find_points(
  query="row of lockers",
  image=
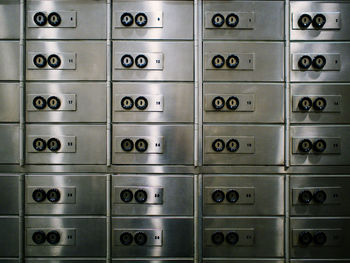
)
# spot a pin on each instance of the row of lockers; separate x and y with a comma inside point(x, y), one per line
point(173, 61)
point(238, 20)
point(174, 144)
point(159, 102)
point(172, 195)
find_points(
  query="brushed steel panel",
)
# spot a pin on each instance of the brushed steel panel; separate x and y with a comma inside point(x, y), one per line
point(90, 56)
point(9, 63)
point(9, 241)
point(332, 113)
point(336, 28)
point(152, 261)
point(265, 228)
point(177, 102)
point(267, 147)
point(177, 144)
point(339, 250)
point(176, 198)
point(9, 261)
point(244, 261)
point(90, 144)
point(268, 195)
point(9, 141)
point(9, 19)
point(340, 49)
point(262, 110)
point(89, 194)
point(266, 20)
point(322, 131)
point(173, 242)
point(9, 102)
point(90, 236)
point(41, 260)
point(267, 61)
point(166, 20)
point(9, 198)
point(320, 261)
point(177, 61)
point(87, 15)
point(88, 102)
point(337, 198)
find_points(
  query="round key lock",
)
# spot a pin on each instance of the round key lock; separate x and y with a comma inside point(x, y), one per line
point(320, 196)
point(126, 196)
point(54, 19)
point(319, 62)
point(218, 103)
point(39, 144)
point(232, 238)
point(319, 21)
point(305, 62)
point(218, 196)
point(320, 238)
point(218, 20)
point(39, 61)
point(305, 197)
point(141, 61)
point(54, 61)
point(127, 61)
point(127, 145)
point(140, 238)
point(232, 20)
point(40, 19)
point(232, 103)
point(319, 146)
point(232, 61)
point(39, 103)
point(54, 144)
point(218, 61)
point(304, 21)
point(141, 196)
point(305, 104)
point(39, 237)
point(218, 145)
point(127, 103)
point(319, 104)
point(305, 238)
point(53, 237)
point(126, 19)
point(232, 196)
point(232, 145)
point(141, 103)
point(141, 145)
point(39, 195)
point(53, 103)
point(141, 19)
point(126, 238)
point(218, 238)
point(305, 146)
point(53, 195)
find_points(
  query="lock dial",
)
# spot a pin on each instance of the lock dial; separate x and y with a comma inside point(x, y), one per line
point(232, 20)
point(39, 144)
point(53, 103)
point(232, 61)
point(54, 61)
point(305, 62)
point(127, 103)
point(141, 19)
point(218, 145)
point(39, 102)
point(54, 19)
point(218, 61)
point(126, 19)
point(39, 61)
point(218, 20)
point(127, 61)
point(304, 21)
point(40, 19)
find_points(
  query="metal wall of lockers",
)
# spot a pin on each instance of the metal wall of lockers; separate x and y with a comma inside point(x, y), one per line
point(174, 131)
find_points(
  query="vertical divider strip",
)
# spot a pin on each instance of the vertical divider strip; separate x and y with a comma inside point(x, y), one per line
point(108, 217)
point(196, 79)
point(286, 218)
point(108, 82)
point(22, 65)
point(200, 78)
point(21, 226)
point(287, 83)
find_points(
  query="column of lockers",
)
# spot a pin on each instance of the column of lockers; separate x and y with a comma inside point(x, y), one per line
point(243, 125)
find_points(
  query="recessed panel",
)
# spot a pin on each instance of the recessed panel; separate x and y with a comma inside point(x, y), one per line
point(9, 231)
point(9, 198)
point(9, 141)
point(9, 17)
point(9, 63)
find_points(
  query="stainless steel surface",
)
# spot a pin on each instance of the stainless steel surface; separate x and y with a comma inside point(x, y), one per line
point(78, 58)
point(152, 261)
point(9, 198)
point(244, 261)
point(165, 19)
point(167, 144)
point(83, 237)
point(167, 61)
point(262, 237)
point(258, 61)
point(337, 195)
point(9, 150)
point(257, 144)
point(79, 102)
point(257, 20)
point(337, 233)
point(171, 244)
point(9, 233)
point(257, 195)
point(336, 27)
point(78, 144)
point(61, 260)
point(9, 63)
point(254, 103)
point(9, 19)
point(9, 102)
point(166, 195)
point(162, 100)
point(79, 194)
point(336, 152)
point(80, 19)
